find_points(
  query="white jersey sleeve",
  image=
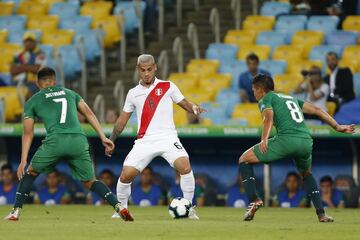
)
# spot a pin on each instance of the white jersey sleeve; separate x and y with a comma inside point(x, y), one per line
point(175, 94)
point(129, 105)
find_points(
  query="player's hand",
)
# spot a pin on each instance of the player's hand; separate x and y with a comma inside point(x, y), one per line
point(109, 146)
point(197, 110)
point(345, 128)
point(263, 146)
point(21, 170)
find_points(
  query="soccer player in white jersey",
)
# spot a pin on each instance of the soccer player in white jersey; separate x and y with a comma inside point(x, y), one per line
point(153, 101)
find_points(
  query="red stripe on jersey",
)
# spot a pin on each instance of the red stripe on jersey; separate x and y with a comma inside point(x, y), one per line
point(150, 105)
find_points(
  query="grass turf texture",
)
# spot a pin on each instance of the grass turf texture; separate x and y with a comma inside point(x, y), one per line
point(88, 222)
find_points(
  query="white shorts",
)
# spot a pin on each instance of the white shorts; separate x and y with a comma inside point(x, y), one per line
point(145, 150)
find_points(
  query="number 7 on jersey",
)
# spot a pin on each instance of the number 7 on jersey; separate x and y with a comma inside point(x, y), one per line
point(63, 102)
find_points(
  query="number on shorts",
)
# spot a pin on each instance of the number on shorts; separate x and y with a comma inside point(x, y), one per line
point(294, 111)
point(178, 146)
point(63, 102)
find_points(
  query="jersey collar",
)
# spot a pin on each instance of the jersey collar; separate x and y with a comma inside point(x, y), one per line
point(156, 81)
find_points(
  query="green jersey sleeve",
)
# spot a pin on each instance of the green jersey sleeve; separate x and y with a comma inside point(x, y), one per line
point(78, 98)
point(301, 103)
point(29, 110)
point(265, 102)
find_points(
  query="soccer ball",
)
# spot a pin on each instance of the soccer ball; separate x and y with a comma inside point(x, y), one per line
point(179, 208)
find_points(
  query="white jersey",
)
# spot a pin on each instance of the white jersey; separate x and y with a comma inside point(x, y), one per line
point(154, 108)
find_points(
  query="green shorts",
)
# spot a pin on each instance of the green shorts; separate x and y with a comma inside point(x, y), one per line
point(280, 147)
point(73, 148)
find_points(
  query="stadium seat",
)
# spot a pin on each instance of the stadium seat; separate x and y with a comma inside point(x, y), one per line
point(286, 83)
point(3, 36)
point(78, 24)
point(13, 107)
point(273, 39)
point(228, 98)
point(258, 23)
point(249, 113)
point(288, 53)
point(351, 23)
point(184, 81)
point(216, 81)
point(49, 53)
point(30, 8)
point(216, 112)
point(274, 66)
point(319, 52)
point(342, 38)
point(353, 64)
point(351, 52)
point(297, 67)
point(71, 61)
point(17, 36)
point(13, 23)
point(325, 24)
point(307, 39)
point(110, 25)
point(180, 116)
point(92, 44)
point(357, 84)
point(202, 67)
point(235, 68)
point(199, 96)
point(331, 107)
point(262, 51)
point(221, 51)
point(6, 8)
point(240, 37)
point(58, 37)
point(43, 23)
point(128, 9)
point(274, 8)
point(290, 24)
point(65, 9)
point(98, 9)
point(7, 52)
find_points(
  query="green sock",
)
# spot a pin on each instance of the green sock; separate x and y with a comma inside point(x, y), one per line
point(248, 179)
point(23, 190)
point(313, 193)
point(103, 191)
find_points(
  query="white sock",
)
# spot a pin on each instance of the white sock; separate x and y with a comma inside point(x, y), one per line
point(123, 191)
point(187, 185)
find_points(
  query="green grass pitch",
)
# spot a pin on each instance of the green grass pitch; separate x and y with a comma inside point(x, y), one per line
point(88, 222)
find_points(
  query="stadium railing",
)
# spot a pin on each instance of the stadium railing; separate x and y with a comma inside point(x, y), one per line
point(163, 62)
point(119, 93)
point(161, 16)
point(178, 51)
point(99, 107)
point(236, 10)
point(2, 110)
point(192, 35)
point(214, 21)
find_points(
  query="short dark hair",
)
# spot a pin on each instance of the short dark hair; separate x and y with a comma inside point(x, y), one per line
point(326, 178)
point(265, 81)
point(45, 73)
point(252, 57)
point(149, 168)
point(293, 174)
point(6, 166)
point(331, 53)
point(107, 171)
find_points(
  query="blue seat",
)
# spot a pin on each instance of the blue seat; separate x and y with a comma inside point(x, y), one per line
point(221, 51)
point(235, 68)
point(273, 39)
point(275, 8)
point(131, 20)
point(92, 45)
point(71, 61)
point(65, 9)
point(290, 24)
point(228, 98)
point(77, 23)
point(216, 112)
point(273, 66)
point(16, 36)
point(49, 52)
point(326, 24)
point(357, 84)
point(342, 38)
point(2, 111)
point(14, 23)
point(319, 52)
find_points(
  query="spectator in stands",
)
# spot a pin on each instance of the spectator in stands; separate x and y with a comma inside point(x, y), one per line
point(111, 116)
point(346, 184)
point(27, 63)
point(108, 177)
point(175, 191)
point(340, 81)
point(147, 193)
point(7, 185)
point(315, 89)
point(245, 80)
point(292, 196)
point(54, 193)
point(331, 197)
point(208, 185)
point(236, 196)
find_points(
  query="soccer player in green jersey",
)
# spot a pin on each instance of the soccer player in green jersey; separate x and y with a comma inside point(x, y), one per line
point(292, 140)
point(57, 107)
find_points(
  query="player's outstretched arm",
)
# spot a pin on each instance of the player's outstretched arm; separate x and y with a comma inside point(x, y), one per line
point(268, 121)
point(27, 138)
point(85, 110)
point(309, 108)
point(120, 125)
point(191, 107)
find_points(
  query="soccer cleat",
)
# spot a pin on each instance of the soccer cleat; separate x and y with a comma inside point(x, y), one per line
point(325, 218)
point(192, 214)
point(126, 215)
point(14, 215)
point(252, 208)
point(115, 215)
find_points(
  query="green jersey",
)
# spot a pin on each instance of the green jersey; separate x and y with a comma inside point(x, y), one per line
point(288, 115)
point(57, 108)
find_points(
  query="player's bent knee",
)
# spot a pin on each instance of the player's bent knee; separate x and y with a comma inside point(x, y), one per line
point(305, 173)
point(88, 183)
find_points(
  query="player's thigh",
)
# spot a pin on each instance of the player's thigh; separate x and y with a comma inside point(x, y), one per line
point(142, 153)
point(46, 156)
point(276, 150)
point(249, 156)
point(173, 151)
point(82, 167)
point(303, 158)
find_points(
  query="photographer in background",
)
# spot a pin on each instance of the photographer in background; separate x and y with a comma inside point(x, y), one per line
point(315, 89)
point(340, 81)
